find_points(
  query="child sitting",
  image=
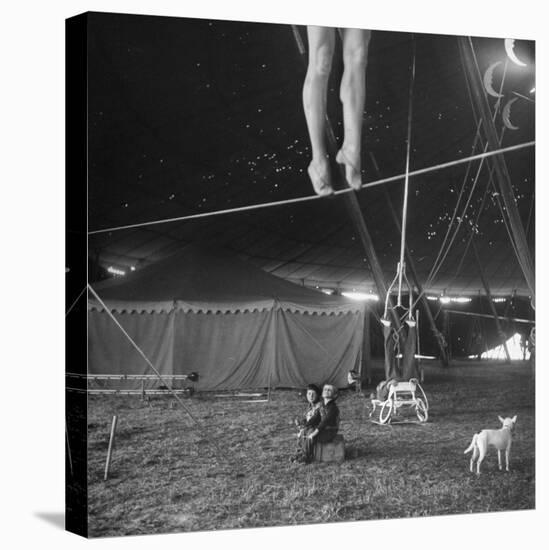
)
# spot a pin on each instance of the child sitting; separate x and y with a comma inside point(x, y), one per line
point(326, 420)
point(307, 424)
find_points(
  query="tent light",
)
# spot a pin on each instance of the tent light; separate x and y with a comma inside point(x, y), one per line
point(461, 300)
point(417, 356)
point(116, 271)
point(360, 296)
point(448, 299)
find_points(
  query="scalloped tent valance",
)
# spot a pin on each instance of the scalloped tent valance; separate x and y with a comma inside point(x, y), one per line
point(206, 308)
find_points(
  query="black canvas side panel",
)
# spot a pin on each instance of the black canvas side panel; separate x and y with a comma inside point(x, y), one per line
point(76, 252)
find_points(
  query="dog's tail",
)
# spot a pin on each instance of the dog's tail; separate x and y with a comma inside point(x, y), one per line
point(472, 446)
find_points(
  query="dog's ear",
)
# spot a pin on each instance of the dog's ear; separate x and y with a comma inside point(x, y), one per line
point(514, 419)
point(501, 420)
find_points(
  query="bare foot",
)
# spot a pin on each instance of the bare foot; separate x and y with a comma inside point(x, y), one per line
point(352, 168)
point(320, 178)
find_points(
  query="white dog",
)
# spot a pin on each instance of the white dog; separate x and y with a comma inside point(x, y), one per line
point(500, 439)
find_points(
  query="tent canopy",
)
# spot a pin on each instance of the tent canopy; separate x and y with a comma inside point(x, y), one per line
point(212, 280)
point(229, 321)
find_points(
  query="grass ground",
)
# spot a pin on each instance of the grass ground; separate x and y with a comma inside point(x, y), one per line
point(170, 475)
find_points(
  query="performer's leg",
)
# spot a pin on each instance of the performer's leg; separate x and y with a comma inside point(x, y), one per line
point(321, 49)
point(353, 94)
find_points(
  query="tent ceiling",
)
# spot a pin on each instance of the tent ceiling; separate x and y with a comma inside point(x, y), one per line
point(189, 116)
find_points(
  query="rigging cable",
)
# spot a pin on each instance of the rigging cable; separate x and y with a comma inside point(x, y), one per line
point(402, 265)
point(154, 369)
point(436, 268)
point(374, 183)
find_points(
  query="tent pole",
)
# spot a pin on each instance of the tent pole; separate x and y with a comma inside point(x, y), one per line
point(446, 322)
point(485, 315)
point(502, 175)
point(418, 348)
point(365, 370)
point(273, 343)
point(353, 208)
point(490, 301)
point(109, 451)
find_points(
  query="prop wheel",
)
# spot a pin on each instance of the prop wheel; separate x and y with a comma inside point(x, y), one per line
point(424, 397)
point(385, 412)
point(421, 411)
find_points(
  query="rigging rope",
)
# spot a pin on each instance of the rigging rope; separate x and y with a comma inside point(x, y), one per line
point(503, 178)
point(471, 234)
point(436, 268)
point(448, 231)
point(401, 266)
point(74, 303)
point(491, 182)
point(374, 183)
point(438, 262)
point(154, 369)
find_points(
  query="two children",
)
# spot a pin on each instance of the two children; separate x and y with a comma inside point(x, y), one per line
point(320, 422)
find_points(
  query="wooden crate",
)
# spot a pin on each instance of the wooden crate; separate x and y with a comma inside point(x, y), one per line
point(334, 451)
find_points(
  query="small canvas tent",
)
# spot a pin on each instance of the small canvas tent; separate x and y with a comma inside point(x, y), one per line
point(232, 323)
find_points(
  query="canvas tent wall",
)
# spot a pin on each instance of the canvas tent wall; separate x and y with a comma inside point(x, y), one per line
point(232, 323)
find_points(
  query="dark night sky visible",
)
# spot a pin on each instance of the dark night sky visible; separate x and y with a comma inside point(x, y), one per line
point(189, 116)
